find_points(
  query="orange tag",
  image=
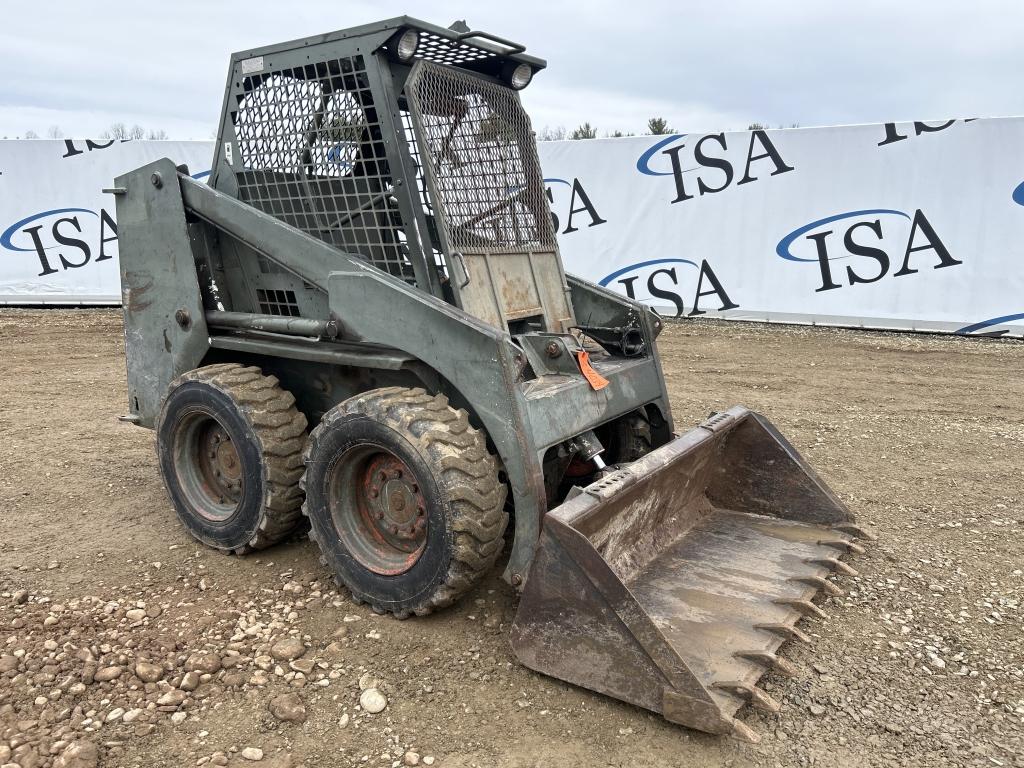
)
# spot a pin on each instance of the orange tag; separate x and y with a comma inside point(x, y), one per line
point(597, 381)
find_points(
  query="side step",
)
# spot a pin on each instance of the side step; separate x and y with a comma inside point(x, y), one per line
point(673, 582)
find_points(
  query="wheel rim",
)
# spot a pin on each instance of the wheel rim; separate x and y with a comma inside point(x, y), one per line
point(378, 509)
point(208, 466)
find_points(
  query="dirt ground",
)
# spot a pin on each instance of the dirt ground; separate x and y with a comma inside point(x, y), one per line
point(110, 613)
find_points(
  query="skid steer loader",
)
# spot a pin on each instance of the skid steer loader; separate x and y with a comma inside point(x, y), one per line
point(373, 258)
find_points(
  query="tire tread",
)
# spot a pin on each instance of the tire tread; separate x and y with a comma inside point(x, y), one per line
point(467, 473)
point(280, 429)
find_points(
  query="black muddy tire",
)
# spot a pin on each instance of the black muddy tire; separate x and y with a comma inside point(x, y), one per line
point(628, 438)
point(404, 500)
point(229, 443)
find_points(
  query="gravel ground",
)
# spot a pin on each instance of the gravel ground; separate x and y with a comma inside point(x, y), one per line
point(124, 643)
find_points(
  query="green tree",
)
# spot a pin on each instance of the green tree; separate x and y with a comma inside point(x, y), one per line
point(585, 131)
point(658, 126)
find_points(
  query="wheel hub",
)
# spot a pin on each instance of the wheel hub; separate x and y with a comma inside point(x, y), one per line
point(208, 465)
point(379, 510)
point(227, 461)
point(219, 465)
point(396, 509)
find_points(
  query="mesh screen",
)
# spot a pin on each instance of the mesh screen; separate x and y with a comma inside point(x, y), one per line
point(444, 51)
point(423, 195)
point(476, 141)
point(312, 154)
point(277, 302)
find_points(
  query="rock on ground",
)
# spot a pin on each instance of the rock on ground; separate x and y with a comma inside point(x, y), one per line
point(288, 707)
point(81, 754)
point(373, 701)
point(287, 649)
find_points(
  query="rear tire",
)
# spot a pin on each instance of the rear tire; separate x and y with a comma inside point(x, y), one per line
point(404, 500)
point(229, 444)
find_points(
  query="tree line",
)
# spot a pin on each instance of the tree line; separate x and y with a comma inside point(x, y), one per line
point(656, 126)
point(116, 131)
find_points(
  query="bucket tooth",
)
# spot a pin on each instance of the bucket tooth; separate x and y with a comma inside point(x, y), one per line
point(785, 631)
point(833, 564)
point(743, 732)
point(771, 660)
point(805, 607)
point(855, 530)
point(843, 544)
point(759, 699)
point(819, 582)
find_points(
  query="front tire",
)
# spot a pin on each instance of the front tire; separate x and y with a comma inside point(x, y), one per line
point(404, 500)
point(229, 443)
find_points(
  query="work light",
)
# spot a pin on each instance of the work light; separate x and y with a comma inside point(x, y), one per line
point(520, 76)
point(408, 42)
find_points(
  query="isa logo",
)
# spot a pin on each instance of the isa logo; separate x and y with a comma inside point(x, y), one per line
point(869, 243)
point(570, 203)
point(665, 282)
point(707, 165)
point(991, 327)
point(67, 238)
point(63, 238)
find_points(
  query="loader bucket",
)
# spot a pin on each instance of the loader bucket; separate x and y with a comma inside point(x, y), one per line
point(672, 582)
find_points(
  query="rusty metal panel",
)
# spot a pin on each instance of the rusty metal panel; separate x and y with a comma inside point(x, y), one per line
point(647, 588)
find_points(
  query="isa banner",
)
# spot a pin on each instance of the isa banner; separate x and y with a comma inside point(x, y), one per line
point(58, 233)
point(915, 226)
point(912, 226)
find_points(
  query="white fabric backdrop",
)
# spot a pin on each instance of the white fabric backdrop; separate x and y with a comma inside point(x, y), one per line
point(964, 178)
point(52, 190)
point(804, 225)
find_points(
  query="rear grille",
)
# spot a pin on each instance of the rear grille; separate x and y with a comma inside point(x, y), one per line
point(277, 302)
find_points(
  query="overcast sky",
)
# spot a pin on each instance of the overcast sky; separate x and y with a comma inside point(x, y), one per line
point(704, 66)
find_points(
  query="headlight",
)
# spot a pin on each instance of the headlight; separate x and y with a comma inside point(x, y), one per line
point(408, 42)
point(521, 76)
